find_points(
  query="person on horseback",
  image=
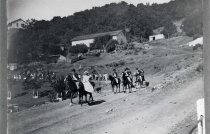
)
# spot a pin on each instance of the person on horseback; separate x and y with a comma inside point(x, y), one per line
point(115, 75)
point(137, 75)
point(86, 81)
point(142, 74)
point(75, 77)
point(128, 74)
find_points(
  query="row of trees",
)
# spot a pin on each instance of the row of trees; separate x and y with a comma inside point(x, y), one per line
point(41, 37)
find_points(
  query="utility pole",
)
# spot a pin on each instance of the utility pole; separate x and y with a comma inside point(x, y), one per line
point(206, 45)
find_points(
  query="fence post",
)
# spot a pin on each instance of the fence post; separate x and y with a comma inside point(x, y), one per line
point(201, 114)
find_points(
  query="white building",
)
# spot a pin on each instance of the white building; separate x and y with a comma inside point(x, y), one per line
point(88, 39)
point(195, 42)
point(156, 37)
point(17, 24)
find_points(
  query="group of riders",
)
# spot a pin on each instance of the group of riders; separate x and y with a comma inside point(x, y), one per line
point(137, 77)
point(85, 86)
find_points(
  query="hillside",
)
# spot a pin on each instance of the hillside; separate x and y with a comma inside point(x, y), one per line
point(166, 106)
point(41, 37)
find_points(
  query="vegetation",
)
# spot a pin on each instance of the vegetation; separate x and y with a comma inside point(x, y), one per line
point(169, 29)
point(41, 38)
point(100, 42)
point(111, 45)
point(80, 48)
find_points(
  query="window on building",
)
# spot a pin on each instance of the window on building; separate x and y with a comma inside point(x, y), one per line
point(153, 38)
point(17, 24)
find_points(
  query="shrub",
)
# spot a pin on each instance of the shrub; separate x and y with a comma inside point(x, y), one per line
point(111, 45)
point(199, 68)
point(99, 42)
point(130, 46)
point(80, 48)
point(144, 52)
point(197, 46)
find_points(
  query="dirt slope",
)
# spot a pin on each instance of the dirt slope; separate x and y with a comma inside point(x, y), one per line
point(173, 73)
point(141, 111)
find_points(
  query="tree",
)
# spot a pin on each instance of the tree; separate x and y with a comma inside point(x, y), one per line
point(111, 45)
point(192, 25)
point(80, 48)
point(100, 42)
point(169, 29)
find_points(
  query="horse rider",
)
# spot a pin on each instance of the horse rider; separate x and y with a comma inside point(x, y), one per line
point(75, 77)
point(87, 83)
point(127, 74)
point(142, 75)
point(137, 74)
point(115, 75)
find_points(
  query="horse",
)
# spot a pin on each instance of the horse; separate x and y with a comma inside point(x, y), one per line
point(114, 83)
point(81, 89)
point(138, 81)
point(126, 84)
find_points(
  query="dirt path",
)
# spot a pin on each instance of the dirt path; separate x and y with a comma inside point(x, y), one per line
point(142, 111)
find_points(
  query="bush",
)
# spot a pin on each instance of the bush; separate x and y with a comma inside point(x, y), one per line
point(199, 68)
point(130, 46)
point(99, 42)
point(80, 48)
point(144, 52)
point(111, 45)
point(197, 46)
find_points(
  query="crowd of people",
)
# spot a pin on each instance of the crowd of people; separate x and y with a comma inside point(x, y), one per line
point(38, 73)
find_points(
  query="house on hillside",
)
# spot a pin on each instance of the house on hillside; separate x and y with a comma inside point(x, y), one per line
point(195, 42)
point(88, 39)
point(17, 24)
point(156, 37)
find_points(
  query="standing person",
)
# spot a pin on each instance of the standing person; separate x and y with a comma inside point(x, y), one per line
point(86, 81)
point(115, 75)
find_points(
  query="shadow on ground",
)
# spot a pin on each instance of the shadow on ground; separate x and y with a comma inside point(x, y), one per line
point(96, 102)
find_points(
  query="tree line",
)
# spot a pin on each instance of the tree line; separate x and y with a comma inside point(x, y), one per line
point(41, 38)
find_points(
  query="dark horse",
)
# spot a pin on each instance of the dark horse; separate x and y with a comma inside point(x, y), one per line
point(72, 89)
point(126, 83)
point(114, 83)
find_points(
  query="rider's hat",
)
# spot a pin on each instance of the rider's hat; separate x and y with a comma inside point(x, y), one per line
point(86, 72)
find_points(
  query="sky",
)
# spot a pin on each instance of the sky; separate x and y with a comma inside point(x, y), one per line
point(47, 9)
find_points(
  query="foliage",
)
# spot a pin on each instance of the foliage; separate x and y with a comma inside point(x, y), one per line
point(192, 26)
point(169, 29)
point(100, 42)
point(111, 45)
point(40, 37)
point(197, 46)
point(32, 84)
point(80, 48)
point(59, 85)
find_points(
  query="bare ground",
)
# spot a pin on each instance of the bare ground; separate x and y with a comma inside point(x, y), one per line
point(169, 109)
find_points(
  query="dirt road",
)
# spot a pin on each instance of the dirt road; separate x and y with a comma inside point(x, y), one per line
point(143, 111)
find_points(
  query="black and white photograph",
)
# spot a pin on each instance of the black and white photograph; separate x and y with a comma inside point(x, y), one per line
point(105, 67)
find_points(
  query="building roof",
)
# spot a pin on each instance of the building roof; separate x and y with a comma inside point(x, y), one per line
point(16, 21)
point(92, 36)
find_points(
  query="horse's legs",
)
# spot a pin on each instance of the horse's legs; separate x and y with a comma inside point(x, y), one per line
point(85, 97)
point(91, 96)
point(71, 99)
